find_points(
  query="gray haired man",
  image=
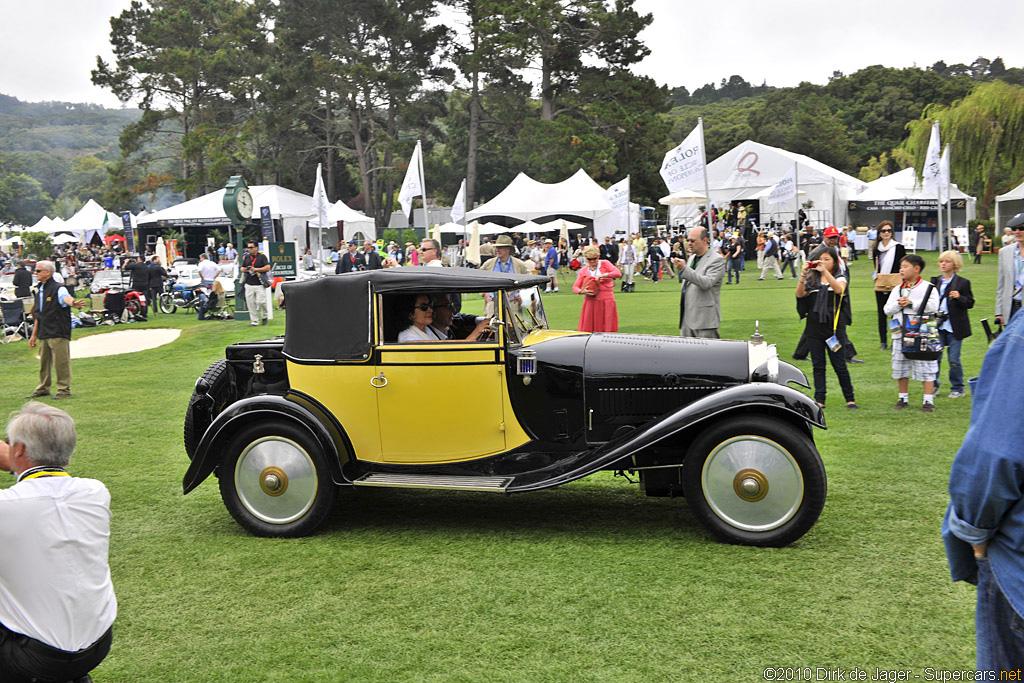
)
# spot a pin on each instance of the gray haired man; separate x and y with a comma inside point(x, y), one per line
point(57, 603)
point(51, 330)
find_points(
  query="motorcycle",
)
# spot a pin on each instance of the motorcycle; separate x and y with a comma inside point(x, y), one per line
point(177, 296)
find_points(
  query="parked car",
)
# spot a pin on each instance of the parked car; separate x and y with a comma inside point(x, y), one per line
point(286, 424)
point(102, 280)
point(187, 276)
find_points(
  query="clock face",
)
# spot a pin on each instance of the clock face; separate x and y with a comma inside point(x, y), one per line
point(244, 203)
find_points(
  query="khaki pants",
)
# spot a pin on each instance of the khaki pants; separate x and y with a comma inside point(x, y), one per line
point(55, 353)
point(256, 302)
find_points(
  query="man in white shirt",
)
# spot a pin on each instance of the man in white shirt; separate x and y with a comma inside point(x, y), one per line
point(57, 602)
point(208, 271)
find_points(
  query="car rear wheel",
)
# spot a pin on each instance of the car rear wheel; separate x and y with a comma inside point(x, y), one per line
point(754, 480)
point(167, 304)
point(274, 481)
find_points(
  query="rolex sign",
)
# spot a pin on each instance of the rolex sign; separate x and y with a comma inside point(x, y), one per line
point(282, 260)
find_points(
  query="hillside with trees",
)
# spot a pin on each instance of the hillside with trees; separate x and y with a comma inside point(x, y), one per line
point(269, 90)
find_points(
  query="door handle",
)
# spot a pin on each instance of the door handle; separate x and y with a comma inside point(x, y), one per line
point(379, 381)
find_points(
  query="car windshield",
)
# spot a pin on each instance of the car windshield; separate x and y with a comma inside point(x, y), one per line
point(525, 311)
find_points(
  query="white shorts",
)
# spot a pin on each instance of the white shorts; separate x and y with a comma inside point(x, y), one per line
point(918, 370)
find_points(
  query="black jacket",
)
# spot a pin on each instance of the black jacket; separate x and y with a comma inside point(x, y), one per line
point(22, 282)
point(347, 265)
point(372, 260)
point(771, 248)
point(156, 276)
point(958, 307)
point(53, 319)
point(139, 274)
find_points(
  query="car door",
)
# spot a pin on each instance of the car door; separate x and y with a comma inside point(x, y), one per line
point(441, 401)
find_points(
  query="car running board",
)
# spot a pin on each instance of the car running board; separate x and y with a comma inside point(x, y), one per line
point(434, 481)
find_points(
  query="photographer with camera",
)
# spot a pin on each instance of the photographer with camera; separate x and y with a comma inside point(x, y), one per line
point(955, 299)
point(822, 301)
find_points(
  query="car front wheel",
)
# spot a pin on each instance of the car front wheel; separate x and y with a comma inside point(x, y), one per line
point(754, 480)
point(274, 481)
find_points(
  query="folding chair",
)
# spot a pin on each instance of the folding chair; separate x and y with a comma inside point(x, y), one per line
point(14, 320)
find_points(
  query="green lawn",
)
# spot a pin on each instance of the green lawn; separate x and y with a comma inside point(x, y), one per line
point(591, 581)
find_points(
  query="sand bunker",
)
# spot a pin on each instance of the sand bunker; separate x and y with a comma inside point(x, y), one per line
point(122, 341)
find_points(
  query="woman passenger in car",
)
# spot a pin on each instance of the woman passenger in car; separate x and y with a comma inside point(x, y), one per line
point(418, 313)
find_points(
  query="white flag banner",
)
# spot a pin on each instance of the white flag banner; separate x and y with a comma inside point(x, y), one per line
point(686, 162)
point(618, 196)
point(320, 202)
point(459, 205)
point(944, 176)
point(411, 187)
point(932, 162)
point(785, 189)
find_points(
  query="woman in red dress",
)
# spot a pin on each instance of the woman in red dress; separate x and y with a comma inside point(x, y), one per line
point(599, 313)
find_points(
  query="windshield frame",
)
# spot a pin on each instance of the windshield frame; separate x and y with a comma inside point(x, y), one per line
point(520, 325)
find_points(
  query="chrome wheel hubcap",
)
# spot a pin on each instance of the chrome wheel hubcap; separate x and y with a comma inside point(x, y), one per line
point(752, 483)
point(276, 480)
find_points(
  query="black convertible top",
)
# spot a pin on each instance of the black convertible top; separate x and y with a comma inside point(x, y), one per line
point(329, 317)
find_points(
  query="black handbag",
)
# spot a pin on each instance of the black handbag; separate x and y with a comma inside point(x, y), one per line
point(918, 340)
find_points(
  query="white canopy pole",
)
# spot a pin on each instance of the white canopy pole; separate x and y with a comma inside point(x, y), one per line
point(796, 199)
point(704, 161)
point(423, 187)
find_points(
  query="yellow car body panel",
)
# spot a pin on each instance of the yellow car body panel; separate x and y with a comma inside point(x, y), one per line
point(345, 390)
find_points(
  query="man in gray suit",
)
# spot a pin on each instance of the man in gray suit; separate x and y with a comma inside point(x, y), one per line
point(700, 311)
point(1010, 283)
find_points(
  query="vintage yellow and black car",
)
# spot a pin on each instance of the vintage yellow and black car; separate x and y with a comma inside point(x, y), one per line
point(288, 424)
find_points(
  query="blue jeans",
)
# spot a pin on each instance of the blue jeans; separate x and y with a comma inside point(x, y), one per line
point(1000, 630)
point(956, 370)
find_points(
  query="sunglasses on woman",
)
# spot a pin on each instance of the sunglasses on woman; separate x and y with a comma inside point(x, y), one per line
point(884, 231)
point(424, 307)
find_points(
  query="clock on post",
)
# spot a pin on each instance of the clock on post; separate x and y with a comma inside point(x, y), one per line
point(238, 207)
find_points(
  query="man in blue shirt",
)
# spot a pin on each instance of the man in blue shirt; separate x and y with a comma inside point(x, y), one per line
point(551, 266)
point(51, 329)
point(984, 524)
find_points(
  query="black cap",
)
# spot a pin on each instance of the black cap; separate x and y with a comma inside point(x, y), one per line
point(1017, 221)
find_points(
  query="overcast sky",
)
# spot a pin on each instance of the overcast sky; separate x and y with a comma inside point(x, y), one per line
point(50, 46)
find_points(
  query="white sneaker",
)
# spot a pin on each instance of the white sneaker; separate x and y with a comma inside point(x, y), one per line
point(547, 291)
point(956, 394)
point(555, 290)
point(254, 324)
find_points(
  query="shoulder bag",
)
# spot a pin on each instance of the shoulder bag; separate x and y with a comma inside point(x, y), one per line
point(920, 335)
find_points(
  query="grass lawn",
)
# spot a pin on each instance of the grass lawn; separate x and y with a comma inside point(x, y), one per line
point(591, 581)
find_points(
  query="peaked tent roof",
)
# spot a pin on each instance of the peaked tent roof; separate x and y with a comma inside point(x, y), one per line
point(902, 185)
point(340, 211)
point(527, 199)
point(42, 225)
point(282, 202)
point(755, 166)
point(91, 217)
point(1015, 193)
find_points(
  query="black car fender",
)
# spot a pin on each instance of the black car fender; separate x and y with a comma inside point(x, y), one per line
point(244, 412)
point(760, 398)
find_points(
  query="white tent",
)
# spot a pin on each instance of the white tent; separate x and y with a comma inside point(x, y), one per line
point(1013, 204)
point(91, 219)
point(750, 167)
point(528, 199)
point(42, 225)
point(291, 208)
point(901, 191)
point(355, 222)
